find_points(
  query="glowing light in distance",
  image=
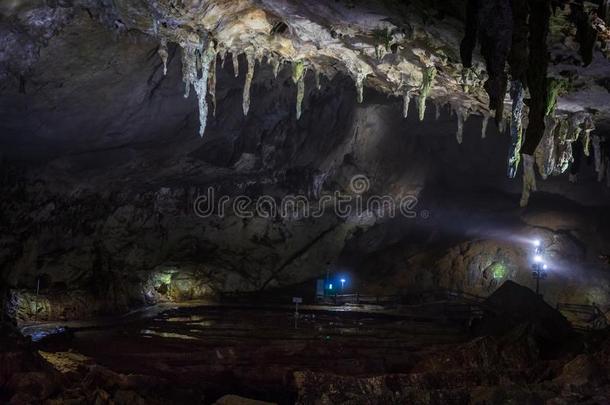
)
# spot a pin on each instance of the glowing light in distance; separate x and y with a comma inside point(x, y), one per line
point(538, 259)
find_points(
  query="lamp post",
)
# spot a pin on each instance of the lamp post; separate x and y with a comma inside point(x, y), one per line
point(539, 273)
point(342, 284)
point(539, 267)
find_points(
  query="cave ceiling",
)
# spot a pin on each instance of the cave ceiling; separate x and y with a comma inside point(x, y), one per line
point(539, 68)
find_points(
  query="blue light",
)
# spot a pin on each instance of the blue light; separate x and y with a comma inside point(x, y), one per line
point(343, 280)
point(330, 286)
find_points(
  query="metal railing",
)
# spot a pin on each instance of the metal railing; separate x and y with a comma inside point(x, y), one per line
point(584, 316)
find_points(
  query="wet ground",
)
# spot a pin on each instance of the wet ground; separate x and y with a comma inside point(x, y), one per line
point(207, 351)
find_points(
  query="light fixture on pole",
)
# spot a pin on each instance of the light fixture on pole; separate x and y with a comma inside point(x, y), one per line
point(539, 267)
point(342, 284)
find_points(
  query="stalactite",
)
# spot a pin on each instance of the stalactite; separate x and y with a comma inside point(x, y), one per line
point(201, 85)
point(554, 88)
point(360, 86)
point(570, 132)
point(429, 75)
point(276, 63)
point(298, 77)
point(597, 152)
point(586, 35)
point(517, 93)
point(484, 126)
point(189, 68)
point(462, 116)
point(249, 77)
point(529, 179)
point(540, 14)
point(545, 153)
point(223, 56)
point(163, 54)
point(212, 84)
point(589, 126)
point(406, 101)
point(235, 57)
point(496, 35)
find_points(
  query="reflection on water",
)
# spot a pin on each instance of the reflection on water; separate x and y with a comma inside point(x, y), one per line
point(169, 335)
point(38, 334)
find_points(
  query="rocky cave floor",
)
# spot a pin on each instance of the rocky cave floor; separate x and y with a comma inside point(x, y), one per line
point(510, 347)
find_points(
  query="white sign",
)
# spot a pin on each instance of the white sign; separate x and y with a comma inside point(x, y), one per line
point(297, 300)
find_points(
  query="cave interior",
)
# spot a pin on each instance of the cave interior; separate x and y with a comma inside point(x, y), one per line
point(312, 202)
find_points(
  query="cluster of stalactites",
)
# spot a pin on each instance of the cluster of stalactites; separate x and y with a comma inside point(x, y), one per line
point(555, 154)
point(199, 70)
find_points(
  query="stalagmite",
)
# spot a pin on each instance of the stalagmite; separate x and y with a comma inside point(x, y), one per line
point(437, 113)
point(484, 126)
point(517, 93)
point(235, 57)
point(163, 54)
point(298, 77)
point(317, 77)
point(360, 86)
point(212, 84)
point(201, 85)
point(249, 77)
point(406, 100)
point(429, 75)
point(529, 179)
